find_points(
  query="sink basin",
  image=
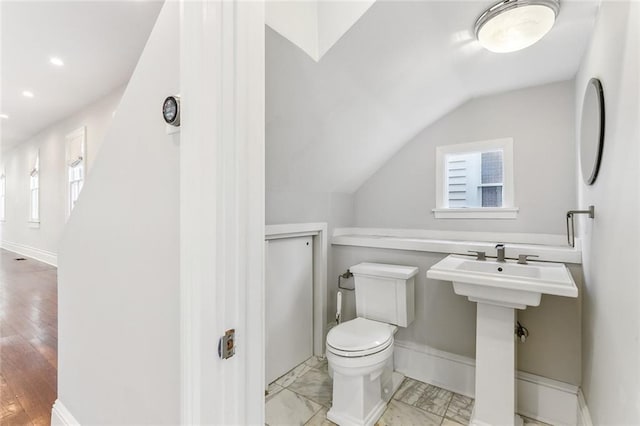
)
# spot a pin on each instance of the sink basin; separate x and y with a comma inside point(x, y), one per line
point(504, 283)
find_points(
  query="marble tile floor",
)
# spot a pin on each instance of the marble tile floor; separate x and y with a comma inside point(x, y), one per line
point(303, 396)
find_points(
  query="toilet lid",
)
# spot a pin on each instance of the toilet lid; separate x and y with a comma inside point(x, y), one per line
point(360, 337)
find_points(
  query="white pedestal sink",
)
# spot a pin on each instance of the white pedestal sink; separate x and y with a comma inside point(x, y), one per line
point(499, 288)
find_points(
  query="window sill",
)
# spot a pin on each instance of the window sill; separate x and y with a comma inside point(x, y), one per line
point(34, 224)
point(477, 213)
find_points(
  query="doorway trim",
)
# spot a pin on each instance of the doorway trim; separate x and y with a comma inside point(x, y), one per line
point(222, 204)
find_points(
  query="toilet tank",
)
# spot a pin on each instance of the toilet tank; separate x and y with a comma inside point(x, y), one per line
point(385, 293)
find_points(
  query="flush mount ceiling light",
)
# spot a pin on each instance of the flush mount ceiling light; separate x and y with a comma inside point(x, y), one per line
point(4, 116)
point(56, 61)
point(27, 94)
point(512, 25)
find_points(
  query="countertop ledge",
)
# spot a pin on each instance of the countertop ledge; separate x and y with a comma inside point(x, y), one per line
point(548, 247)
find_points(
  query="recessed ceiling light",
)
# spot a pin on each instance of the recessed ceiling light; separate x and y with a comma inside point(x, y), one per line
point(512, 25)
point(56, 61)
point(27, 94)
point(5, 116)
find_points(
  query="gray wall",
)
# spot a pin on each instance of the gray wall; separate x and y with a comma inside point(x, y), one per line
point(447, 322)
point(305, 206)
point(611, 326)
point(401, 194)
point(118, 290)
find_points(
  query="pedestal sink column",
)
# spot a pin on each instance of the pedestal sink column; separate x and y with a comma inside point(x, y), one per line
point(495, 366)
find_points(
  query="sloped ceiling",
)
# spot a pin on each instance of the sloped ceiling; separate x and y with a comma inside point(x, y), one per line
point(99, 41)
point(314, 25)
point(333, 123)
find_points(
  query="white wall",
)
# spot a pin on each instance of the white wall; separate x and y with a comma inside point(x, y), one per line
point(401, 194)
point(15, 231)
point(611, 326)
point(118, 291)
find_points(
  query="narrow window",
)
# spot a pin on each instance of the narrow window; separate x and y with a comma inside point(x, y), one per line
point(75, 166)
point(76, 179)
point(34, 189)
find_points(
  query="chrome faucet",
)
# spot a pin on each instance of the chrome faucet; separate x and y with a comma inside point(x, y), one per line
point(500, 249)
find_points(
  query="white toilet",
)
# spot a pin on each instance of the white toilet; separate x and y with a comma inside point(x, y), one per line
point(360, 351)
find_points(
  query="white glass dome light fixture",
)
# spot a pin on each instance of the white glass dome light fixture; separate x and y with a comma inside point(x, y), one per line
point(512, 25)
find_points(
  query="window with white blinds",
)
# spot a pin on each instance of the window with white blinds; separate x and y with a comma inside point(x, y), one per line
point(34, 190)
point(475, 180)
point(76, 148)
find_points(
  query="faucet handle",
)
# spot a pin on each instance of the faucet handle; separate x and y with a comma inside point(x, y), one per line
point(480, 255)
point(522, 258)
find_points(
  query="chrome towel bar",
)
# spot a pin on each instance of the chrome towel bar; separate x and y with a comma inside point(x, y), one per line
point(571, 236)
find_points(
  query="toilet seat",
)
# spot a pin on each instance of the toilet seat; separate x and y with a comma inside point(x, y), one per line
point(359, 337)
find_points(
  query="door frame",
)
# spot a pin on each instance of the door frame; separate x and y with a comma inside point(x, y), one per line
point(222, 205)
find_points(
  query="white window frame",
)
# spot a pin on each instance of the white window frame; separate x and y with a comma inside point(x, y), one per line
point(507, 211)
point(75, 157)
point(3, 195)
point(34, 176)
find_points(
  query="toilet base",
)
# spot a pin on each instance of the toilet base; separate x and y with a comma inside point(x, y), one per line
point(344, 419)
point(390, 384)
point(360, 396)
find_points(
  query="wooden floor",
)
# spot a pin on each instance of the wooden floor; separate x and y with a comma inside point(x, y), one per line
point(28, 340)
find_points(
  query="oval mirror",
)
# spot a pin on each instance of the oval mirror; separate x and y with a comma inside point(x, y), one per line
point(592, 131)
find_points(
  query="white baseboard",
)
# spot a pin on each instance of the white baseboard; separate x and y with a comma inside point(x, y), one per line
point(32, 252)
point(443, 369)
point(539, 398)
point(584, 417)
point(546, 400)
point(60, 416)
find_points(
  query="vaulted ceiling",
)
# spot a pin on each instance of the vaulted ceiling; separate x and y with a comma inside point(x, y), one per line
point(332, 123)
point(99, 42)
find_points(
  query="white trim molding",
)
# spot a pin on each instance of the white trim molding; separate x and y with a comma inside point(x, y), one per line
point(584, 417)
point(539, 398)
point(61, 416)
point(433, 234)
point(477, 213)
point(44, 256)
point(507, 211)
point(443, 369)
point(222, 220)
point(289, 230)
point(318, 231)
point(546, 247)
